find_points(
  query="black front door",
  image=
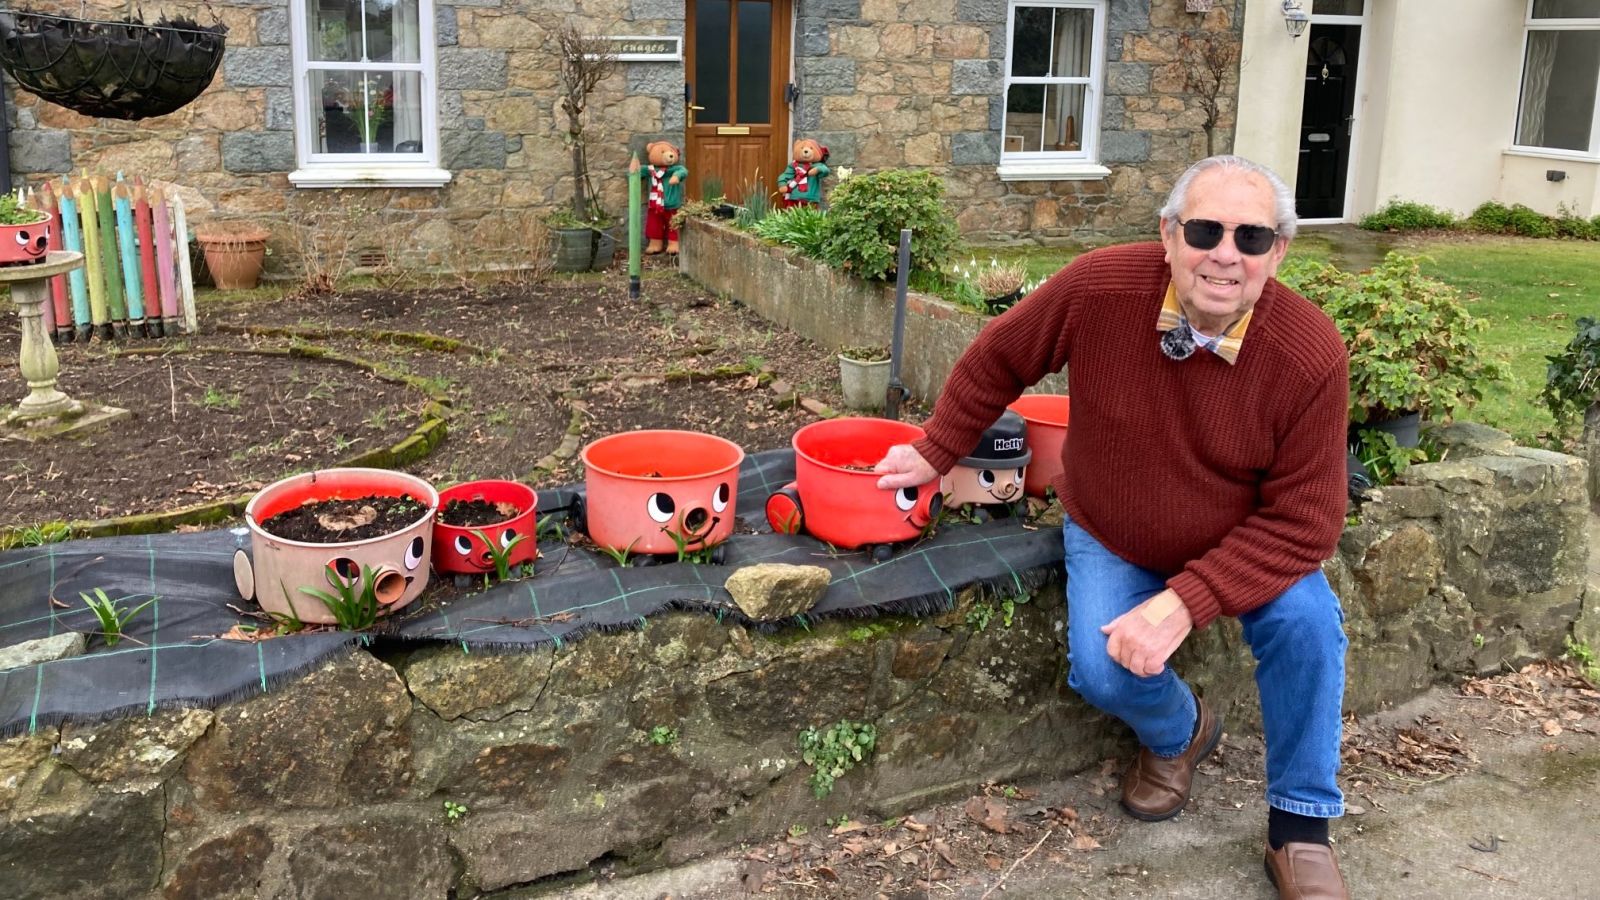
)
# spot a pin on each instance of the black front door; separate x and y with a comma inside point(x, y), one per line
point(1325, 121)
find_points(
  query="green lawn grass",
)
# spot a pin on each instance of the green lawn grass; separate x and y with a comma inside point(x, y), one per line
point(1529, 291)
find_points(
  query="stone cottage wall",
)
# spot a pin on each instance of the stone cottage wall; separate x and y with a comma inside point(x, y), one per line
point(919, 83)
point(337, 780)
point(884, 83)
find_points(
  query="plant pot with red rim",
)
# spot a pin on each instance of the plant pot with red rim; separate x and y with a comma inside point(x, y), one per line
point(1046, 415)
point(835, 495)
point(235, 253)
point(24, 233)
point(486, 527)
point(324, 539)
point(660, 493)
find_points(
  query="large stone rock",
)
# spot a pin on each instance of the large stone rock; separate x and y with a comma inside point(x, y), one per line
point(388, 857)
point(480, 686)
point(772, 591)
point(104, 845)
point(38, 650)
point(335, 738)
point(133, 752)
point(257, 66)
point(1399, 570)
point(223, 868)
point(19, 758)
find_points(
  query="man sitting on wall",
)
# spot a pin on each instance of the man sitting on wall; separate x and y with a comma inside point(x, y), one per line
point(1204, 476)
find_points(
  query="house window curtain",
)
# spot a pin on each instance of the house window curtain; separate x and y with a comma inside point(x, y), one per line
point(1536, 71)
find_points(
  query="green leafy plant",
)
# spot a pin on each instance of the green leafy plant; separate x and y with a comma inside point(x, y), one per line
point(1572, 377)
point(835, 750)
point(454, 812)
point(500, 555)
point(1587, 660)
point(113, 615)
point(37, 535)
point(798, 830)
point(1497, 218)
point(550, 528)
point(1402, 215)
point(1413, 346)
point(1383, 456)
point(662, 736)
point(866, 214)
point(353, 604)
point(980, 615)
point(620, 557)
point(803, 227)
point(14, 213)
point(756, 206)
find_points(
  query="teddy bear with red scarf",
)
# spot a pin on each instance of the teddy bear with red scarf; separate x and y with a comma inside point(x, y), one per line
point(801, 183)
point(664, 181)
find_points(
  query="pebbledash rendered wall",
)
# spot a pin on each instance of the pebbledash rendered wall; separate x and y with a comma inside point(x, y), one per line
point(884, 83)
point(334, 783)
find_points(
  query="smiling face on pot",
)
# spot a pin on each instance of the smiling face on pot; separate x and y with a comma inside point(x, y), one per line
point(1216, 287)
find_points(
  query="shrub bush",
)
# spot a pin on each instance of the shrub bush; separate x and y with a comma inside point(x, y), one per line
point(1401, 215)
point(866, 213)
point(1572, 377)
point(1497, 218)
point(1528, 223)
point(1490, 218)
point(1413, 345)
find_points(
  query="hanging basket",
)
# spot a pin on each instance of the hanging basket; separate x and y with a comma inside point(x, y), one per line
point(117, 70)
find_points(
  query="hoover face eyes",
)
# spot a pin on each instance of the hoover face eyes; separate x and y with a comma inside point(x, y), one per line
point(660, 507)
point(413, 554)
point(719, 498)
point(905, 498)
point(506, 537)
point(463, 545)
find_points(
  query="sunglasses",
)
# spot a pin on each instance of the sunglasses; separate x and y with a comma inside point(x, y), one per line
point(1204, 234)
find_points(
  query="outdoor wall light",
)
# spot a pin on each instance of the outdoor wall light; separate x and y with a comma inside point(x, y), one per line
point(1295, 18)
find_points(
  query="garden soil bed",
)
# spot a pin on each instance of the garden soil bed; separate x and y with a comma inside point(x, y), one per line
point(535, 361)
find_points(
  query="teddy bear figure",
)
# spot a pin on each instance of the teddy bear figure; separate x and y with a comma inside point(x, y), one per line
point(667, 175)
point(802, 181)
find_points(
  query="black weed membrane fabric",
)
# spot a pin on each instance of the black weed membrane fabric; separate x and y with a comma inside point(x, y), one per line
point(174, 655)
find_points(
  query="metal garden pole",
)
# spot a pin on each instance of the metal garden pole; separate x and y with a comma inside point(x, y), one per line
point(897, 391)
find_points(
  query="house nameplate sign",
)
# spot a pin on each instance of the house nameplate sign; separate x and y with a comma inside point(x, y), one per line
point(645, 48)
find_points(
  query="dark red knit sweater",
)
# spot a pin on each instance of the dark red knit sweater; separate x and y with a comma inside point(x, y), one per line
point(1229, 479)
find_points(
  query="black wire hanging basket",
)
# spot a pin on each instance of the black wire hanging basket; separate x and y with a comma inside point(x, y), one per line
point(117, 70)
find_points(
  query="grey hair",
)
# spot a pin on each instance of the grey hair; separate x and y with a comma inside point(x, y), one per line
point(1282, 197)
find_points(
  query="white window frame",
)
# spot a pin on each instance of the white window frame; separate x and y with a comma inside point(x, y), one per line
point(1058, 165)
point(335, 170)
point(1531, 25)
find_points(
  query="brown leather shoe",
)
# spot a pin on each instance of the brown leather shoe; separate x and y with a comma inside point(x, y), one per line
point(1306, 872)
point(1154, 788)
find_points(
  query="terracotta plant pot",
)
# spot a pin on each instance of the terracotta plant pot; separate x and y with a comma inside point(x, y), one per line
point(458, 549)
point(1046, 415)
point(24, 244)
point(276, 568)
point(644, 487)
point(234, 255)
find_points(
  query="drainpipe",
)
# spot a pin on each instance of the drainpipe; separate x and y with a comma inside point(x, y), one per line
point(5, 143)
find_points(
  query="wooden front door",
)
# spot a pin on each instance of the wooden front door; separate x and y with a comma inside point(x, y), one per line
point(737, 60)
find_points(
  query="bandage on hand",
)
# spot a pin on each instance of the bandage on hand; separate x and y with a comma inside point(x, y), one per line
point(1156, 611)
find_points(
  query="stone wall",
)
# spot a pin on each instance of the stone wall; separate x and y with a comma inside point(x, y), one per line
point(336, 781)
point(831, 307)
point(884, 83)
point(887, 83)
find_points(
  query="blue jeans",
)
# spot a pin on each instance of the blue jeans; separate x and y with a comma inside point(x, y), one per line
point(1299, 644)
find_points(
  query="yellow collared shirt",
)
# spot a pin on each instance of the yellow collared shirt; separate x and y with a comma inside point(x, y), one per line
point(1226, 346)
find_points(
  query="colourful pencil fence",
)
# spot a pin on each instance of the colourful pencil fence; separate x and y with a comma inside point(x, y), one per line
point(135, 280)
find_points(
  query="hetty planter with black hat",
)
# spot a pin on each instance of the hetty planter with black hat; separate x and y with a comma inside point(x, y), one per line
point(835, 495)
point(1046, 415)
point(500, 511)
point(659, 492)
point(279, 570)
point(992, 476)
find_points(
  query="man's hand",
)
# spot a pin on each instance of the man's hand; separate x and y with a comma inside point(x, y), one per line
point(903, 466)
point(1142, 647)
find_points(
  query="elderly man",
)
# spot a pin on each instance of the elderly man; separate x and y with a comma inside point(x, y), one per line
point(1204, 477)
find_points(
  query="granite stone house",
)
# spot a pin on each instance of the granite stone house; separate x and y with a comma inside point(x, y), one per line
point(1047, 117)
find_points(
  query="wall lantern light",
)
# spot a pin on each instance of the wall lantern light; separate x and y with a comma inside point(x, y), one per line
point(1295, 18)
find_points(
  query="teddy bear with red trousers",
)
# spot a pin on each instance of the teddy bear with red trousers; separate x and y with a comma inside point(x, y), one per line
point(802, 182)
point(666, 176)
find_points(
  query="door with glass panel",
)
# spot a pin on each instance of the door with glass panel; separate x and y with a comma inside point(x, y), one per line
point(737, 123)
point(364, 78)
point(1327, 114)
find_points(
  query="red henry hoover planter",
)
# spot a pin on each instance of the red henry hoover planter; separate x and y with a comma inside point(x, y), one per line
point(659, 495)
point(835, 495)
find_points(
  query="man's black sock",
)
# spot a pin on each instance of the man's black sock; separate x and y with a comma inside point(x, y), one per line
point(1286, 827)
